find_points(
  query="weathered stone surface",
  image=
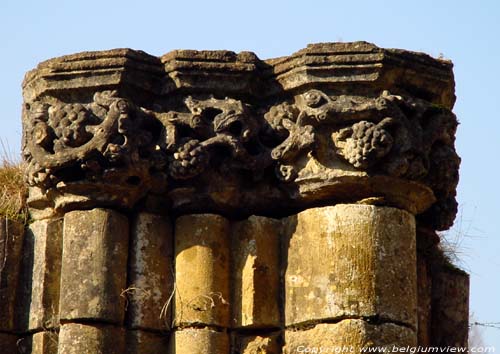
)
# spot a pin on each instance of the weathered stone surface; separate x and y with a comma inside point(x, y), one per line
point(218, 72)
point(351, 334)
point(45, 239)
point(450, 307)
point(94, 265)
point(350, 260)
point(256, 273)
point(142, 342)
point(199, 341)
point(334, 121)
point(424, 286)
point(151, 273)
point(75, 338)
point(8, 343)
point(135, 70)
point(11, 243)
point(213, 136)
point(45, 342)
point(331, 64)
point(427, 256)
point(255, 344)
point(202, 260)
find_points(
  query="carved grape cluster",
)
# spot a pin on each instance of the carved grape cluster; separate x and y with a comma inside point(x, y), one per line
point(363, 144)
point(189, 160)
point(68, 123)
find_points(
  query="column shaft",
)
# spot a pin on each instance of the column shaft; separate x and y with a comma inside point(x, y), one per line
point(151, 271)
point(351, 262)
point(94, 266)
point(202, 261)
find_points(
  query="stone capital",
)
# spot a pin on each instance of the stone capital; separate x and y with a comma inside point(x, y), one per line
point(216, 131)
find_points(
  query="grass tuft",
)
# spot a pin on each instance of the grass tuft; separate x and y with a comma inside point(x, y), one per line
point(13, 190)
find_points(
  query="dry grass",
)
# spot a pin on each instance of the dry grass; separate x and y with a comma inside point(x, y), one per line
point(454, 243)
point(13, 191)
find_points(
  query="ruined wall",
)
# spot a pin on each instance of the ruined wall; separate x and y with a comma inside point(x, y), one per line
point(212, 202)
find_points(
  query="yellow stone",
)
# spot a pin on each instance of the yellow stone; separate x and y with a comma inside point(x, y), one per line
point(202, 270)
point(199, 341)
point(257, 344)
point(256, 273)
point(348, 335)
point(151, 273)
point(75, 338)
point(350, 260)
point(45, 239)
point(94, 266)
point(45, 342)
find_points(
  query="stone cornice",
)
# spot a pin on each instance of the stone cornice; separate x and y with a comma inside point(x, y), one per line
point(216, 131)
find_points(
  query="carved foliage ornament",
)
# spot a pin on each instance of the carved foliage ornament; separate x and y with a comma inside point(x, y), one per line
point(110, 141)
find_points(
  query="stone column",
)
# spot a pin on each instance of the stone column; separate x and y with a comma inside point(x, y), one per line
point(257, 301)
point(350, 277)
point(8, 342)
point(11, 243)
point(95, 245)
point(150, 287)
point(213, 202)
point(450, 307)
point(151, 273)
point(256, 273)
point(45, 236)
point(202, 296)
point(76, 338)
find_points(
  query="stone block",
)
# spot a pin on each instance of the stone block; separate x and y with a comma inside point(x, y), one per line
point(256, 273)
point(75, 338)
point(11, 244)
point(45, 342)
point(94, 266)
point(256, 344)
point(350, 260)
point(424, 286)
point(8, 343)
point(142, 342)
point(151, 273)
point(202, 251)
point(199, 341)
point(45, 239)
point(450, 307)
point(347, 335)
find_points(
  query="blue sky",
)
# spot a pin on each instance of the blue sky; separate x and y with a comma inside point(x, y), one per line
point(467, 32)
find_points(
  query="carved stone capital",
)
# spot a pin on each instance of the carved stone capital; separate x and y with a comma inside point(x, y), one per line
point(215, 131)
